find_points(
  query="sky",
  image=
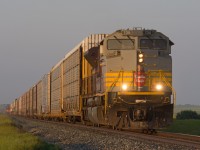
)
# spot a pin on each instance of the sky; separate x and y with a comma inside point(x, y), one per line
point(36, 34)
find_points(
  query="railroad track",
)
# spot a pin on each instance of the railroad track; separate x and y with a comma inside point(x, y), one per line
point(181, 137)
point(159, 137)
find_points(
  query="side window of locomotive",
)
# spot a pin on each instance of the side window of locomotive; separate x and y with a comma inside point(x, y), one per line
point(120, 44)
point(158, 44)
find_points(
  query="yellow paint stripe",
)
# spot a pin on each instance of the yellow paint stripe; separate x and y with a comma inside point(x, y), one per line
point(119, 80)
point(141, 93)
point(158, 73)
point(117, 73)
point(117, 84)
point(108, 80)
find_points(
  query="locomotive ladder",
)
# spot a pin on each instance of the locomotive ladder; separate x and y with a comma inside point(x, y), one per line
point(162, 75)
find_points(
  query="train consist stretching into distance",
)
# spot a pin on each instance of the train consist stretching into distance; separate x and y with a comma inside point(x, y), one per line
point(123, 80)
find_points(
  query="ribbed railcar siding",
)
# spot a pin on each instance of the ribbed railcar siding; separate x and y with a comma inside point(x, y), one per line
point(20, 106)
point(31, 101)
point(15, 101)
point(39, 97)
point(23, 105)
point(45, 94)
point(17, 107)
point(28, 103)
point(56, 90)
point(34, 97)
point(72, 73)
point(71, 81)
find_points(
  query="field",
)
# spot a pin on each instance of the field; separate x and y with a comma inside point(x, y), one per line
point(13, 138)
point(179, 108)
point(185, 126)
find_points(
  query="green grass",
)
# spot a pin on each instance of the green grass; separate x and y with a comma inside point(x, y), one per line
point(12, 138)
point(189, 126)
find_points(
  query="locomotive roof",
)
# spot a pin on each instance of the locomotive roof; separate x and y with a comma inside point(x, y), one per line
point(139, 32)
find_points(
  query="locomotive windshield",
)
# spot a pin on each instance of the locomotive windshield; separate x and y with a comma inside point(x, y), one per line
point(120, 44)
point(153, 44)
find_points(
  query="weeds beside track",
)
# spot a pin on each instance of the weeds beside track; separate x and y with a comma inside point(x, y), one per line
point(14, 138)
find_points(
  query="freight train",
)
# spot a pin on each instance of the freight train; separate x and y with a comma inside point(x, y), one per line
point(121, 80)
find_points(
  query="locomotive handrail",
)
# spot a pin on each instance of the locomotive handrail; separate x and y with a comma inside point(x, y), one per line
point(169, 85)
point(108, 89)
point(116, 80)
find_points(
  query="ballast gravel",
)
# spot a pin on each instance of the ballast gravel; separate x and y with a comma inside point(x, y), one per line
point(73, 138)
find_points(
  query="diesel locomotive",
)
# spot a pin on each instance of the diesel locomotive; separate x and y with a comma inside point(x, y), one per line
point(122, 80)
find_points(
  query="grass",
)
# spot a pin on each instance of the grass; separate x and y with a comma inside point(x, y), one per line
point(189, 126)
point(12, 138)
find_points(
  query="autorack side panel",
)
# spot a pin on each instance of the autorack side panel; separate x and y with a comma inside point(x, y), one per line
point(34, 99)
point(27, 104)
point(24, 105)
point(20, 106)
point(72, 69)
point(31, 101)
point(39, 98)
point(56, 90)
point(46, 94)
point(17, 106)
point(71, 83)
point(15, 101)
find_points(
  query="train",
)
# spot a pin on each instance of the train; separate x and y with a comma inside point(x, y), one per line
point(122, 80)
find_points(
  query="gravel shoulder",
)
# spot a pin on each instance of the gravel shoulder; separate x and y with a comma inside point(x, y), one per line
point(72, 138)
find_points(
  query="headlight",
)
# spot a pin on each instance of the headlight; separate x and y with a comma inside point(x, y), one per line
point(124, 87)
point(140, 60)
point(159, 87)
point(140, 55)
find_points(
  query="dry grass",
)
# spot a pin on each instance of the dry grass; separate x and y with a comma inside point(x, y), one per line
point(12, 138)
